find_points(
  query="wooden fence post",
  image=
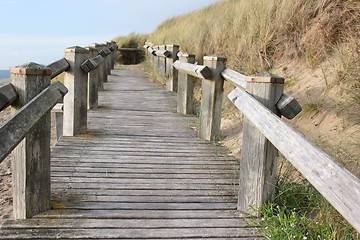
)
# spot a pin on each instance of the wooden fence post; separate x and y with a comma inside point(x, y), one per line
point(156, 60)
point(185, 89)
point(162, 63)
point(31, 167)
point(100, 68)
point(104, 70)
point(109, 58)
point(171, 73)
point(211, 99)
point(93, 82)
point(113, 55)
point(258, 155)
point(75, 102)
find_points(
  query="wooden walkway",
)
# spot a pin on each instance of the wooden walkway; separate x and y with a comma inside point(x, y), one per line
point(139, 173)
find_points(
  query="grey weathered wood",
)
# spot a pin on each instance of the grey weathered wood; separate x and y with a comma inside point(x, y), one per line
point(92, 63)
point(58, 67)
point(211, 99)
point(75, 102)
point(288, 106)
point(198, 71)
point(258, 155)
point(316, 166)
point(104, 52)
point(91, 66)
point(32, 155)
point(140, 168)
point(58, 110)
point(234, 77)
point(163, 52)
point(18, 126)
point(185, 94)
point(7, 96)
point(100, 68)
point(151, 50)
point(171, 73)
point(161, 61)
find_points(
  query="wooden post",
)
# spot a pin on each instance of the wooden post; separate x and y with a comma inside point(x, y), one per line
point(211, 99)
point(162, 63)
point(104, 71)
point(75, 102)
point(100, 68)
point(31, 166)
point(171, 73)
point(93, 82)
point(109, 58)
point(113, 55)
point(156, 60)
point(185, 89)
point(258, 155)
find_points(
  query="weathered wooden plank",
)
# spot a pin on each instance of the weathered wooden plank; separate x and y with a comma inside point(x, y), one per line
point(288, 106)
point(63, 184)
point(12, 132)
point(92, 63)
point(198, 71)
point(95, 197)
point(105, 233)
point(58, 67)
point(316, 166)
point(163, 53)
point(7, 95)
point(236, 78)
point(87, 223)
point(140, 214)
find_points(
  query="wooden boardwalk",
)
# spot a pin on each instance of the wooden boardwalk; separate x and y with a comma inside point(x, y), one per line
point(139, 173)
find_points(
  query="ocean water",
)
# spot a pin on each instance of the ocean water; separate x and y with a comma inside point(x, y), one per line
point(4, 74)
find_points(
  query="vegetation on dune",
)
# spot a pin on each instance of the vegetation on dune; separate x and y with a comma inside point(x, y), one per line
point(301, 40)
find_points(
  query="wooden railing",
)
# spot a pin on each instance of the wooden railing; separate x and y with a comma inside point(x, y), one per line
point(262, 101)
point(32, 97)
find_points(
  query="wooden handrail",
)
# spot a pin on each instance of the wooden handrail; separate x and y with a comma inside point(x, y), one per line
point(58, 67)
point(92, 63)
point(340, 187)
point(14, 130)
point(7, 95)
point(198, 71)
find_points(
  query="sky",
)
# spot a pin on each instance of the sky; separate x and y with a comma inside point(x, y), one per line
point(39, 30)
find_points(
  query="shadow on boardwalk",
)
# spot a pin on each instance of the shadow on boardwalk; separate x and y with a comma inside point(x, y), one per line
point(140, 172)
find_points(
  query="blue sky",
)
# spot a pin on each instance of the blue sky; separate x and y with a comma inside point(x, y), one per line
point(39, 31)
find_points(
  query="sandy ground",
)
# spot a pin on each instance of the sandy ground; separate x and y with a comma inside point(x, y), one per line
point(5, 178)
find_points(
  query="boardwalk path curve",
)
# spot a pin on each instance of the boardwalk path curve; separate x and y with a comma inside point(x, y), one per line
point(140, 172)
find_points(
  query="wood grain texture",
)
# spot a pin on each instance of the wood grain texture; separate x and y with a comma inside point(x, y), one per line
point(7, 96)
point(198, 71)
point(316, 166)
point(139, 172)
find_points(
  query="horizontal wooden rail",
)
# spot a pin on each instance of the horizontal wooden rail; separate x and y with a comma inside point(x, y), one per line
point(104, 52)
point(163, 53)
point(58, 67)
point(151, 50)
point(287, 105)
point(234, 77)
point(7, 95)
point(12, 132)
point(340, 187)
point(198, 71)
point(92, 63)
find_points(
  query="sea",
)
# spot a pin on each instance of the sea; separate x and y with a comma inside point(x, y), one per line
point(4, 74)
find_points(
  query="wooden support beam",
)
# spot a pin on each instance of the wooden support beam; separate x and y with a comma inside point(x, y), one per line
point(58, 67)
point(185, 93)
point(163, 53)
point(18, 126)
point(31, 165)
point(327, 176)
point(75, 102)
point(92, 63)
point(198, 71)
point(7, 96)
point(258, 155)
point(211, 99)
point(171, 73)
point(236, 78)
